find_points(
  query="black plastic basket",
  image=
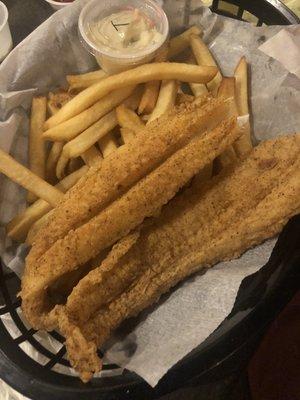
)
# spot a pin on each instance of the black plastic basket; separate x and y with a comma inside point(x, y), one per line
point(268, 12)
point(229, 352)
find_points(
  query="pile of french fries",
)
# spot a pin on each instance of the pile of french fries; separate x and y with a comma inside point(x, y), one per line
point(73, 129)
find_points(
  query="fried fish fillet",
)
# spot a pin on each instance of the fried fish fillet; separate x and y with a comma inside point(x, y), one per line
point(117, 173)
point(200, 227)
point(142, 200)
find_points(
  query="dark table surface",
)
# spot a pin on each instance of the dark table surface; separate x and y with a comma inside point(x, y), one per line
point(24, 17)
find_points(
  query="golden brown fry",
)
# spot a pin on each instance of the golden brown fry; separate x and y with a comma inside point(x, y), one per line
point(151, 90)
point(52, 160)
point(149, 97)
point(91, 156)
point(181, 42)
point(55, 103)
point(61, 166)
point(82, 81)
point(198, 89)
point(127, 135)
point(57, 100)
point(28, 180)
point(90, 136)
point(128, 119)
point(144, 73)
point(166, 99)
point(241, 86)
point(36, 146)
point(204, 57)
point(227, 90)
point(70, 180)
point(51, 108)
point(108, 144)
point(244, 145)
point(70, 129)
point(19, 226)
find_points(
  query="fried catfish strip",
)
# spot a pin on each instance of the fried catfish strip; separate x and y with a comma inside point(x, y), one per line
point(120, 217)
point(126, 166)
point(197, 229)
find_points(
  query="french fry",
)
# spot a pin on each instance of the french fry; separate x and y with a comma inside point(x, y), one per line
point(19, 226)
point(52, 109)
point(129, 119)
point(61, 166)
point(57, 100)
point(70, 129)
point(82, 81)
point(28, 180)
point(52, 159)
point(143, 73)
point(204, 57)
point(244, 144)
point(70, 180)
point(151, 90)
point(198, 89)
point(179, 43)
point(227, 90)
point(37, 148)
point(166, 99)
point(91, 156)
point(108, 144)
point(86, 139)
point(55, 103)
point(241, 85)
point(94, 133)
point(149, 98)
point(127, 135)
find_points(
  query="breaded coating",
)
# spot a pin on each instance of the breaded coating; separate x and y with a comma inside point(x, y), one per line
point(123, 215)
point(126, 166)
point(200, 227)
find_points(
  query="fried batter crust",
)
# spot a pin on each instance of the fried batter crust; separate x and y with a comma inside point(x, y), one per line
point(142, 200)
point(199, 228)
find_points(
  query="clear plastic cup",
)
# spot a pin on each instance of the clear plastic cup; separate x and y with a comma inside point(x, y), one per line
point(109, 59)
point(6, 43)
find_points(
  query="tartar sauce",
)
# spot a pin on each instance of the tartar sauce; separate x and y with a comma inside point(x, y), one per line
point(127, 31)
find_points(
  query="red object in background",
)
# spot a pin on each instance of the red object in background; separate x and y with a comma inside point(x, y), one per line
point(274, 371)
